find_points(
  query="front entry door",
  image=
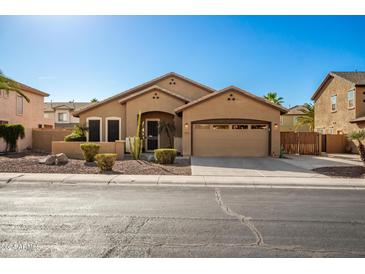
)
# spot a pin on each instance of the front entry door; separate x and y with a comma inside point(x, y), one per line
point(152, 135)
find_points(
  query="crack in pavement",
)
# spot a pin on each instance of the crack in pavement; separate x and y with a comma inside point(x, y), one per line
point(134, 227)
point(247, 221)
point(243, 219)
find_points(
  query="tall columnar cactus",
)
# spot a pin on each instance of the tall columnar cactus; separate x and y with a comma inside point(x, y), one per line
point(135, 143)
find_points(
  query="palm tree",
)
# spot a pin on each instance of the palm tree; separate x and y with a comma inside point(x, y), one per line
point(274, 98)
point(307, 119)
point(11, 86)
point(169, 128)
point(359, 136)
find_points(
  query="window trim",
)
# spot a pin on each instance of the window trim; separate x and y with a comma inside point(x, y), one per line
point(16, 104)
point(58, 117)
point(353, 99)
point(101, 126)
point(111, 118)
point(333, 110)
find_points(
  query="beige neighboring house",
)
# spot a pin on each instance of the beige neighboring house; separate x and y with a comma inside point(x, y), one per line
point(339, 103)
point(229, 122)
point(288, 121)
point(14, 109)
point(60, 113)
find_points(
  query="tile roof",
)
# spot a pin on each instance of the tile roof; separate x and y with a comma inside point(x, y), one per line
point(359, 119)
point(253, 96)
point(144, 85)
point(355, 77)
point(295, 110)
point(154, 87)
point(50, 106)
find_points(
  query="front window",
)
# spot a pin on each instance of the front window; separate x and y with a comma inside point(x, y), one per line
point(2, 122)
point(62, 117)
point(295, 120)
point(220, 126)
point(350, 99)
point(19, 105)
point(259, 127)
point(334, 103)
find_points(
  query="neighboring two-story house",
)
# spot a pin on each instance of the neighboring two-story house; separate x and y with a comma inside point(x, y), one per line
point(60, 113)
point(288, 121)
point(339, 103)
point(14, 109)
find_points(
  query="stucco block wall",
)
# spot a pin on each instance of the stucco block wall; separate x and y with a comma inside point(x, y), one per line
point(73, 149)
point(219, 107)
point(31, 118)
point(340, 119)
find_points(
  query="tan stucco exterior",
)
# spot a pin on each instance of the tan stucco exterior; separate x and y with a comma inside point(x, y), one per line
point(162, 99)
point(32, 116)
point(243, 107)
point(287, 124)
point(338, 121)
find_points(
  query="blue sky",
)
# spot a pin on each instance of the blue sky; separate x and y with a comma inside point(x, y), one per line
point(83, 57)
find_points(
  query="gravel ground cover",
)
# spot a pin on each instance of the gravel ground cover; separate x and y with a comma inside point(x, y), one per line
point(28, 163)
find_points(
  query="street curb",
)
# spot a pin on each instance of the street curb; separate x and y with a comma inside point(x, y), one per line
point(47, 179)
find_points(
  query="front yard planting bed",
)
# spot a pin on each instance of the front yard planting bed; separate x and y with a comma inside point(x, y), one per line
point(28, 163)
point(342, 171)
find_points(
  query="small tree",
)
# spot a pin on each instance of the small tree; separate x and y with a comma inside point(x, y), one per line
point(94, 100)
point(11, 86)
point(274, 98)
point(359, 136)
point(11, 134)
point(307, 118)
point(169, 128)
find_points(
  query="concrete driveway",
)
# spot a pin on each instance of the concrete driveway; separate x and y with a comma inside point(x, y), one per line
point(248, 167)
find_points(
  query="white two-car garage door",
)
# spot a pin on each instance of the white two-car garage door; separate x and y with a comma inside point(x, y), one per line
point(230, 140)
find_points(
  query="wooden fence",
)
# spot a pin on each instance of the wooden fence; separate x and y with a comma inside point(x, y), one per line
point(308, 143)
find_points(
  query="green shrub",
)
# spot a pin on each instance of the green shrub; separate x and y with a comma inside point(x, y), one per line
point(11, 133)
point(78, 134)
point(105, 161)
point(75, 138)
point(89, 150)
point(165, 155)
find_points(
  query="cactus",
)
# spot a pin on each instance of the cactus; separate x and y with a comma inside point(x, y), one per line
point(135, 143)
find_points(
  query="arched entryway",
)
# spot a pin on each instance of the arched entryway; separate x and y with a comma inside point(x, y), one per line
point(154, 137)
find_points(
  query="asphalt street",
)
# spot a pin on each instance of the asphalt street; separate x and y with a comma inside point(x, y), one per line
point(170, 221)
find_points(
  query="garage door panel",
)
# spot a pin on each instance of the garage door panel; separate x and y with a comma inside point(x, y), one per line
point(208, 141)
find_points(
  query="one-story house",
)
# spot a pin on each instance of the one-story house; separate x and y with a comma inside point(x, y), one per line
point(228, 123)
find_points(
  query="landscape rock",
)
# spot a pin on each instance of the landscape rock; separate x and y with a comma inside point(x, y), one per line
point(61, 159)
point(150, 158)
point(48, 160)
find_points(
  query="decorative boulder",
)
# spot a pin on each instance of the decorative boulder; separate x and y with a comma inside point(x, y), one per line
point(61, 159)
point(49, 160)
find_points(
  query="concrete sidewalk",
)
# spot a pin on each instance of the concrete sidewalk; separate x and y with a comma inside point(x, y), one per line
point(165, 180)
